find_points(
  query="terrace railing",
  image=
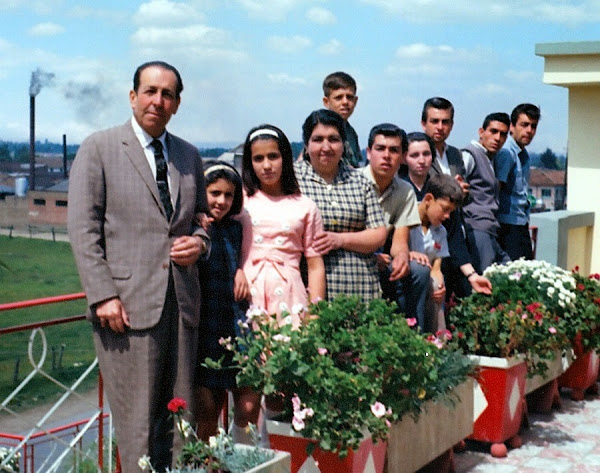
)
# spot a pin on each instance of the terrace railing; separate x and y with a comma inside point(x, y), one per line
point(39, 448)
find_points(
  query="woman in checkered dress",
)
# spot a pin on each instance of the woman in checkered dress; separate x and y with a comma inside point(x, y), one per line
point(352, 217)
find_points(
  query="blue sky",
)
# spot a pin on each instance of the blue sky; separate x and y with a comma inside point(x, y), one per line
point(246, 62)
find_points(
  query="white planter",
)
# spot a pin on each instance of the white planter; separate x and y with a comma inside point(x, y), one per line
point(412, 445)
point(556, 367)
point(280, 463)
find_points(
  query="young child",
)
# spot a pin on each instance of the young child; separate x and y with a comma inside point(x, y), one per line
point(225, 291)
point(441, 196)
point(339, 95)
point(280, 226)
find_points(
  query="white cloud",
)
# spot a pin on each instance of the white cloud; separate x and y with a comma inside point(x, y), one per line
point(288, 44)
point(561, 12)
point(46, 29)
point(331, 48)
point(285, 79)
point(321, 16)
point(273, 11)
point(161, 12)
point(194, 41)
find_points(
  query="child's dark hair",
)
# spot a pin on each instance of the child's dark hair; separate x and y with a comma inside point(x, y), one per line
point(215, 170)
point(289, 183)
point(443, 186)
point(338, 80)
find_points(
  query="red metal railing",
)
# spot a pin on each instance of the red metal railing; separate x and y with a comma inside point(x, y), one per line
point(72, 426)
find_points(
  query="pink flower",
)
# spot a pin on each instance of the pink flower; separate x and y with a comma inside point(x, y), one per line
point(436, 341)
point(524, 316)
point(322, 351)
point(552, 330)
point(296, 403)
point(378, 409)
point(298, 424)
point(411, 321)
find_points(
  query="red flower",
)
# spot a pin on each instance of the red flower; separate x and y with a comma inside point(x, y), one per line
point(437, 246)
point(576, 269)
point(580, 287)
point(533, 307)
point(175, 404)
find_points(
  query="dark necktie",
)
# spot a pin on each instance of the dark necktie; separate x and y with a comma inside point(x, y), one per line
point(161, 177)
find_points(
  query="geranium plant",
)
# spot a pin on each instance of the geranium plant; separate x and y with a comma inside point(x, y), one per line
point(585, 314)
point(528, 313)
point(348, 368)
point(219, 455)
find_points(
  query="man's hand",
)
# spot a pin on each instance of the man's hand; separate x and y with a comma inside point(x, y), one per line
point(463, 185)
point(480, 284)
point(185, 250)
point(112, 313)
point(439, 292)
point(420, 258)
point(383, 260)
point(400, 265)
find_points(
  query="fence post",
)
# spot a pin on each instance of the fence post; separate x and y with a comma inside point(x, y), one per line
point(16, 373)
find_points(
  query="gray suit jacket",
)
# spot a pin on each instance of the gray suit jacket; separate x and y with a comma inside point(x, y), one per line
point(455, 162)
point(118, 229)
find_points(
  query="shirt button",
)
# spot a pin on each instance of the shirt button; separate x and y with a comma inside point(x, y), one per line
point(258, 239)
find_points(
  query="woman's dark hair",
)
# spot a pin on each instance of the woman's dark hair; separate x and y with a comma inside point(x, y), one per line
point(324, 117)
point(289, 183)
point(420, 136)
point(215, 170)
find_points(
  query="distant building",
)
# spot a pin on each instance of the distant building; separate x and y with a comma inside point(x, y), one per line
point(548, 188)
point(234, 157)
point(49, 206)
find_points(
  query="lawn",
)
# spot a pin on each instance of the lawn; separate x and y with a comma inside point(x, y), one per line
point(40, 268)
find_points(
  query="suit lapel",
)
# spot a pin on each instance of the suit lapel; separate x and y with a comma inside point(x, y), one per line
point(135, 153)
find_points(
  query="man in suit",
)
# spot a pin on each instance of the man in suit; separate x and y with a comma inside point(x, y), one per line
point(437, 120)
point(132, 217)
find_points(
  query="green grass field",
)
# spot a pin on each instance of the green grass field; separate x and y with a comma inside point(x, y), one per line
point(39, 268)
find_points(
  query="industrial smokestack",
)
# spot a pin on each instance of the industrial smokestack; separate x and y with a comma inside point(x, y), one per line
point(39, 79)
point(65, 156)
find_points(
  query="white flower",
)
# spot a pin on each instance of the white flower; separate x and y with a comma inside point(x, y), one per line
point(286, 320)
point(144, 463)
point(254, 312)
point(550, 291)
point(212, 442)
point(378, 409)
point(281, 338)
point(298, 309)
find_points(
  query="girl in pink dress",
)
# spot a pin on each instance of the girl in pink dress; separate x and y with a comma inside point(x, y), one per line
point(280, 225)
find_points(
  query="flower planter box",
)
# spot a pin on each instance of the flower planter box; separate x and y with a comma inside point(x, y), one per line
point(499, 398)
point(369, 458)
point(542, 391)
point(412, 445)
point(280, 463)
point(582, 374)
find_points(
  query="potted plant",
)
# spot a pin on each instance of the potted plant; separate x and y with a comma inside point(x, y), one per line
point(511, 334)
point(584, 331)
point(220, 454)
point(349, 371)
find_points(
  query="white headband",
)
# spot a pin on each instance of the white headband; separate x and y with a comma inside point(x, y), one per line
point(263, 131)
point(217, 167)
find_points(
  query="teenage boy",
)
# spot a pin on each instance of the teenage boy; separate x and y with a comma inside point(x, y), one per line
point(442, 195)
point(512, 170)
point(339, 95)
point(481, 210)
point(437, 120)
point(404, 280)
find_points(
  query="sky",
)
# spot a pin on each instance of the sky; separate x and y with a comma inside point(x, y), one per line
point(247, 62)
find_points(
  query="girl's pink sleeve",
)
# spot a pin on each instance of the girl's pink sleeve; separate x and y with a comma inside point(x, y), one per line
point(313, 227)
point(246, 221)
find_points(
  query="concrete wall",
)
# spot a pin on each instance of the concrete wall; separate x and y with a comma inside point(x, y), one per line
point(14, 211)
point(51, 213)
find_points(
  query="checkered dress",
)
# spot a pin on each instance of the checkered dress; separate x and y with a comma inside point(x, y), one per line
point(348, 204)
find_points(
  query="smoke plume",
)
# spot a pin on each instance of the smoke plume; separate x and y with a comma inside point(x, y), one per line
point(40, 79)
point(89, 100)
